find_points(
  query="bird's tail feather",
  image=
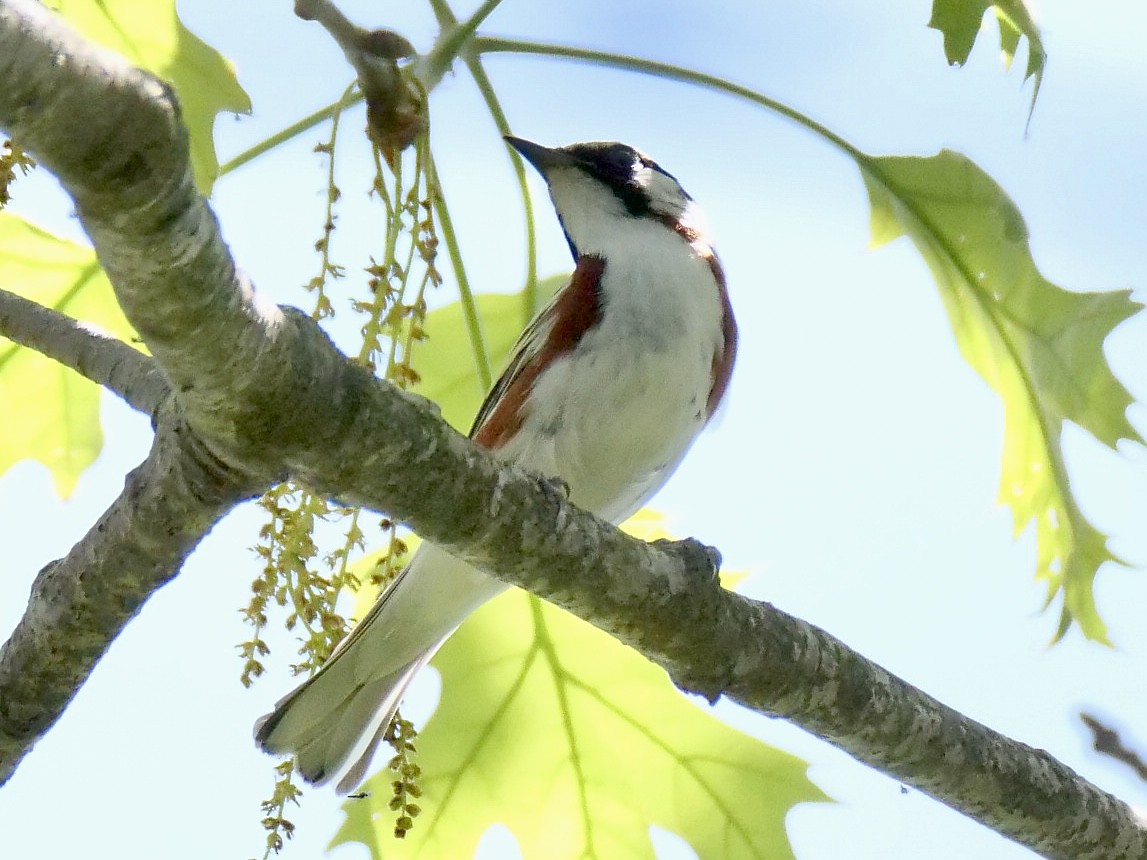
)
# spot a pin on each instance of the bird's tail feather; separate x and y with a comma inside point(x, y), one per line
point(336, 719)
point(351, 733)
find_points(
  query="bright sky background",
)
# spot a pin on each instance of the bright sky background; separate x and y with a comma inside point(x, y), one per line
point(854, 471)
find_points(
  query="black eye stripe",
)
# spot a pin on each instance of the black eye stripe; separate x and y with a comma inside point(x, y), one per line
point(614, 165)
point(632, 195)
point(617, 165)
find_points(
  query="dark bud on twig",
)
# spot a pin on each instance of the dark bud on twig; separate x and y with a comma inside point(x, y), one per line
point(394, 105)
point(386, 45)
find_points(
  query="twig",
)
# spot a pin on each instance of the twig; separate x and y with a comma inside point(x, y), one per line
point(393, 107)
point(1106, 740)
point(104, 360)
point(263, 393)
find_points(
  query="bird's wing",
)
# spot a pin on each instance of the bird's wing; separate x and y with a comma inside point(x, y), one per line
point(556, 330)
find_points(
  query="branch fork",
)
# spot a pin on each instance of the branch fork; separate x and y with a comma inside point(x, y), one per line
point(245, 393)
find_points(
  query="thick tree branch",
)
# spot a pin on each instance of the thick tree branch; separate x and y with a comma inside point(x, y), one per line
point(279, 400)
point(80, 603)
point(104, 360)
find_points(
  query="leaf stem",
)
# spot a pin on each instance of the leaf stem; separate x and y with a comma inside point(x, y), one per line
point(530, 293)
point(495, 45)
point(454, 40)
point(465, 293)
point(293, 130)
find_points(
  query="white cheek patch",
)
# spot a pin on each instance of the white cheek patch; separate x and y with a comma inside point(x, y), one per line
point(665, 195)
point(595, 219)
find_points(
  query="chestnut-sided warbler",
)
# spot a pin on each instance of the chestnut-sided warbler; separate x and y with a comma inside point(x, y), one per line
point(607, 388)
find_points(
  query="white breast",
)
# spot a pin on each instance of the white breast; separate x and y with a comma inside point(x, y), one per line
point(615, 416)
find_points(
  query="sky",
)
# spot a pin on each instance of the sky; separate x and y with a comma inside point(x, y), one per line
point(854, 471)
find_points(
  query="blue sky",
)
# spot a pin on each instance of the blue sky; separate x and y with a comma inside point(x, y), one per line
point(854, 471)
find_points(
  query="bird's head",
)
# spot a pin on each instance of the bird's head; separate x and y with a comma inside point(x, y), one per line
point(598, 187)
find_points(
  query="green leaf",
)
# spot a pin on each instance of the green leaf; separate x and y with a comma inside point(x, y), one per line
point(960, 21)
point(1039, 346)
point(578, 744)
point(150, 34)
point(51, 414)
point(447, 370)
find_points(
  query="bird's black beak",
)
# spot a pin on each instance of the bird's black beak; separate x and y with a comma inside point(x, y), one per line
point(542, 157)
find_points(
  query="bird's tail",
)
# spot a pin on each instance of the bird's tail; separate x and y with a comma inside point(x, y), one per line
point(333, 722)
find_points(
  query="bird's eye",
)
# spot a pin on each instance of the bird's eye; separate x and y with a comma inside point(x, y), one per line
point(622, 158)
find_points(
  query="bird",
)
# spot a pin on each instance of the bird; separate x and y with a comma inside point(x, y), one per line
point(605, 391)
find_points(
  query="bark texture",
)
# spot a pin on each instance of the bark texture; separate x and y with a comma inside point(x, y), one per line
point(247, 380)
point(104, 360)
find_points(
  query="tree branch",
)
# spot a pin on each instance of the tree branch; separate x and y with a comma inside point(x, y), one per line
point(104, 360)
point(80, 603)
point(280, 400)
